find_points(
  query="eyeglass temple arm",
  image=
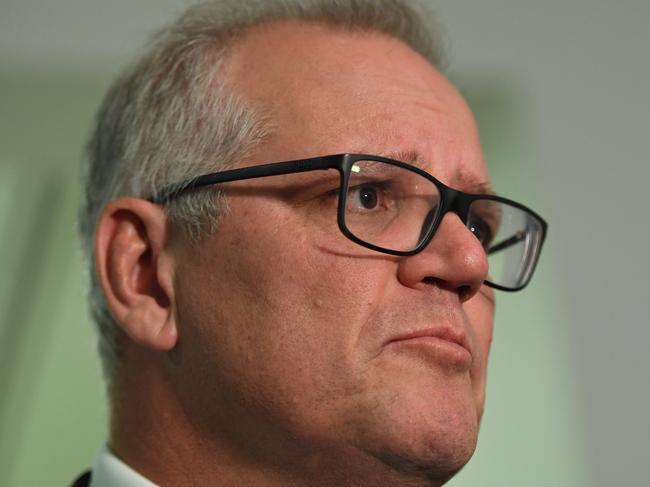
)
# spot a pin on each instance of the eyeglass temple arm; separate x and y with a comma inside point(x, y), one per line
point(516, 238)
point(263, 170)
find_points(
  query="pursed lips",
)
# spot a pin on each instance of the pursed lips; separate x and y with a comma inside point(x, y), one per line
point(443, 341)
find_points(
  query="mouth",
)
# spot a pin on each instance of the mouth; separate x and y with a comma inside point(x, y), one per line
point(445, 345)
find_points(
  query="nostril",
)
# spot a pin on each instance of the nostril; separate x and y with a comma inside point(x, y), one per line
point(430, 280)
point(464, 293)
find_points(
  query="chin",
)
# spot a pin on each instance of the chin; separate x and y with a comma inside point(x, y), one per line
point(419, 421)
point(429, 449)
point(434, 471)
point(436, 458)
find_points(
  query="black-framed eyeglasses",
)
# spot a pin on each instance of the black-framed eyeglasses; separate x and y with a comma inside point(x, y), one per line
point(395, 208)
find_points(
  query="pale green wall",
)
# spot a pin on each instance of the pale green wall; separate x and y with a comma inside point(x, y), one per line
point(52, 413)
point(51, 407)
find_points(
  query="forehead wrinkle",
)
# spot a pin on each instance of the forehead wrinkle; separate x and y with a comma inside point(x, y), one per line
point(462, 179)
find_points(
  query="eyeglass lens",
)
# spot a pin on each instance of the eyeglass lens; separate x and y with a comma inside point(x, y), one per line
point(512, 238)
point(386, 205)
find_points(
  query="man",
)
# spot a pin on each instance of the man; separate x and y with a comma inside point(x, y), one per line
point(287, 289)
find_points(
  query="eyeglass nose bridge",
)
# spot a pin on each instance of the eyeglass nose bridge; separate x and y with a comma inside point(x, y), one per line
point(451, 200)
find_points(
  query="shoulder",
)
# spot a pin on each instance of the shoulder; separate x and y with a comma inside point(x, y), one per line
point(83, 480)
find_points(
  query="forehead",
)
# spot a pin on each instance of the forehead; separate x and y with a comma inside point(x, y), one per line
point(328, 90)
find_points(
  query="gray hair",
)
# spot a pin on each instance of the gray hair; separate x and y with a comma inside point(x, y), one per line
point(170, 117)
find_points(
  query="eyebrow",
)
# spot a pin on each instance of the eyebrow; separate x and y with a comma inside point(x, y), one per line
point(468, 183)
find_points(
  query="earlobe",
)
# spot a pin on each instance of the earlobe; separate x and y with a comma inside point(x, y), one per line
point(136, 271)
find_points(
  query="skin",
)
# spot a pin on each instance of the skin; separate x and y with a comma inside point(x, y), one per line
point(263, 354)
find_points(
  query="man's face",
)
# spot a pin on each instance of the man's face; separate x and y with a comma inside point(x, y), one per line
point(292, 339)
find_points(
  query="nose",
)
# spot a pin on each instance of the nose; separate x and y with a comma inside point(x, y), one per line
point(454, 260)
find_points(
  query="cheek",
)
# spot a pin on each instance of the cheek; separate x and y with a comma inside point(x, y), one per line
point(304, 278)
point(278, 319)
point(480, 314)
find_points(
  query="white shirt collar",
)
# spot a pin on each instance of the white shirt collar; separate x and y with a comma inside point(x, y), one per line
point(110, 471)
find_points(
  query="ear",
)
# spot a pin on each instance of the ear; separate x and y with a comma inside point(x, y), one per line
point(136, 271)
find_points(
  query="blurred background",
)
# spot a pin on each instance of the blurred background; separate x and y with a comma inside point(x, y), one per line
point(560, 91)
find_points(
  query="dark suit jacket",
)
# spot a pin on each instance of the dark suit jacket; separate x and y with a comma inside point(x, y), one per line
point(83, 480)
